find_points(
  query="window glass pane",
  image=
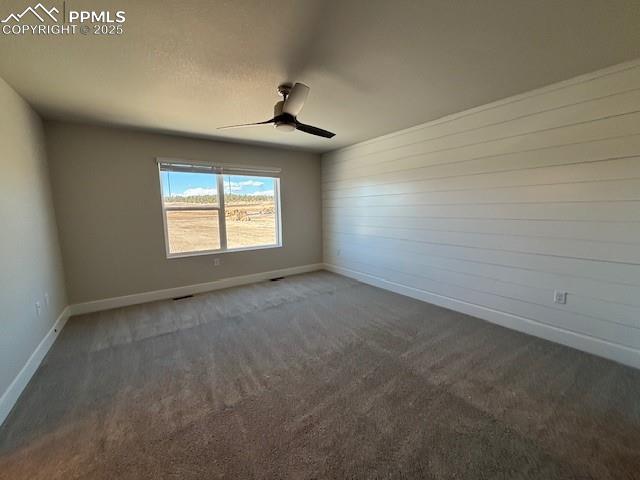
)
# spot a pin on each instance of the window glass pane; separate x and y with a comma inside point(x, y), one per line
point(250, 211)
point(180, 189)
point(192, 230)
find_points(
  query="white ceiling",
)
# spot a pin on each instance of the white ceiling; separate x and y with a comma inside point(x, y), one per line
point(374, 66)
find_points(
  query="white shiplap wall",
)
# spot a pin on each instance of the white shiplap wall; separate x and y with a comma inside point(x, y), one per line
point(490, 210)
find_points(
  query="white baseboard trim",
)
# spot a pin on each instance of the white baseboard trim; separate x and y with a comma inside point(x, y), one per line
point(595, 346)
point(126, 300)
point(15, 389)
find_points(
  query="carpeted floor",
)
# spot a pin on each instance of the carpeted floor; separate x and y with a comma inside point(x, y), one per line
point(317, 376)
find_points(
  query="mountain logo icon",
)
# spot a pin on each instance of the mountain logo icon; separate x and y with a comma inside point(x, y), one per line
point(40, 12)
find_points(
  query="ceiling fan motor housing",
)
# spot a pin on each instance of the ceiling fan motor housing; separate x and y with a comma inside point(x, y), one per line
point(283, 121)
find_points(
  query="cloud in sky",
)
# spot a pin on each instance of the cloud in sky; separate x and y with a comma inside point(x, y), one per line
point(250, 183)
point(268, 193)
point(198, 191)
point(230, 187)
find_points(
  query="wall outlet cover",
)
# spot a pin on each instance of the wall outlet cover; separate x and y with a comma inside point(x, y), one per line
point(559, 297)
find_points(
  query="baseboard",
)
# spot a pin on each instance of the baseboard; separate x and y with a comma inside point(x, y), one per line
point(595, 346)
point(15, 389)
point(124, 301)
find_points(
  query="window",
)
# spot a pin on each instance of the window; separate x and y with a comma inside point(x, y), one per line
point(218, 208)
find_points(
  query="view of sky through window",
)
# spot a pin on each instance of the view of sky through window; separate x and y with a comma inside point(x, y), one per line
point(180, 184)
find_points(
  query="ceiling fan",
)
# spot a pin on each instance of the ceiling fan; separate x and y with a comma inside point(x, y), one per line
point(286, 111)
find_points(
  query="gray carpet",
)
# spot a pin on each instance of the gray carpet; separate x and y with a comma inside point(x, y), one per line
point(317, 376)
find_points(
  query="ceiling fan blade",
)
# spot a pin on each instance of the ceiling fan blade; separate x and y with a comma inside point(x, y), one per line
point(246, 125)
point(314, 130)
point(295, 100)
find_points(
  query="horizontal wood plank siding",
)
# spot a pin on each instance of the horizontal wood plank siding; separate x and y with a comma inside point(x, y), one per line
point(503, 204)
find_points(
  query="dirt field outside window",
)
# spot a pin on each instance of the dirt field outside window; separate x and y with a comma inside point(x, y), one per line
point(249, 224)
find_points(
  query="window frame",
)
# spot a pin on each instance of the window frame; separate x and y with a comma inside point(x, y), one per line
point(219, 171)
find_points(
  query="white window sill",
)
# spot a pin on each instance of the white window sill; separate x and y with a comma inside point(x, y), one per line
point(220, 251)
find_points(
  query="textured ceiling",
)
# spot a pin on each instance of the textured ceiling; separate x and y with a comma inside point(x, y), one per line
point(373, 66)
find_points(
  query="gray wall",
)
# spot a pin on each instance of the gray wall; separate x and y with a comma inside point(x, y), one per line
point(30, 260)
point(107, 196)
point(492, 209)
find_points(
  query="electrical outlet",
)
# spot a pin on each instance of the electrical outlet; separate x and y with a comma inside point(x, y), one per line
point(338, 252)
point(38, 308)
point(216, 262)
point(46, 299)
point(559, 297)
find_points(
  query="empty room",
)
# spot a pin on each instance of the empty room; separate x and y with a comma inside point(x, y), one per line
point(320, 239)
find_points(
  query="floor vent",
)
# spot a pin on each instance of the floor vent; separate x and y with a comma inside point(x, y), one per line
point(182, 298)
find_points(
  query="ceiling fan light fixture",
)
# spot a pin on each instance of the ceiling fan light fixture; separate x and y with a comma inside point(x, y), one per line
point(285, 127)
point(285, 112)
